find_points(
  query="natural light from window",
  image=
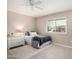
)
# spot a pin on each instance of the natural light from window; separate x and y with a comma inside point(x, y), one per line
point(57, 25)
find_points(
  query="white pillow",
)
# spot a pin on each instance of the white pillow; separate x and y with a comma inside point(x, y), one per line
point(33, 33)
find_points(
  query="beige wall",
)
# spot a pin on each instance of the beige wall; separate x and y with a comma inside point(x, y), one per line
point(15, 20)
point(39, 24)
point(58, 38)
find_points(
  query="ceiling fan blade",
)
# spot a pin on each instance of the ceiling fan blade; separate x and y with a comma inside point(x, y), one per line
point(33, 4)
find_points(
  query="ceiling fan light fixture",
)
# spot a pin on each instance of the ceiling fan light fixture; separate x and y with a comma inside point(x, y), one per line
point(33, 4)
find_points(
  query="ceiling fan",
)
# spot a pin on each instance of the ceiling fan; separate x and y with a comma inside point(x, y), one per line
point(34, 4)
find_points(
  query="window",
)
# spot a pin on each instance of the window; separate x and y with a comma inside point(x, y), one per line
point(57, 25)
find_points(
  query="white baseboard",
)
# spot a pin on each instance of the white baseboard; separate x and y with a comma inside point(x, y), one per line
point(63, 45)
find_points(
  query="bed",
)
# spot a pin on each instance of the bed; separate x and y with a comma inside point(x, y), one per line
point(37, 41)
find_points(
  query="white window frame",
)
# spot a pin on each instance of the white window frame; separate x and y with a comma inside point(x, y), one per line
point(60, 18)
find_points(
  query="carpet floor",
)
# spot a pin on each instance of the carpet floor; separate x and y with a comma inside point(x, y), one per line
point(48, 52)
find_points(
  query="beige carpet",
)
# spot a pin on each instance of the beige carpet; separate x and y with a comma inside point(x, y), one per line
point(24, 52)
point(48, 52)
point(54, 52)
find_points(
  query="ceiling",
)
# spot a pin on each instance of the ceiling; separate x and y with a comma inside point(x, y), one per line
point(49, 7)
